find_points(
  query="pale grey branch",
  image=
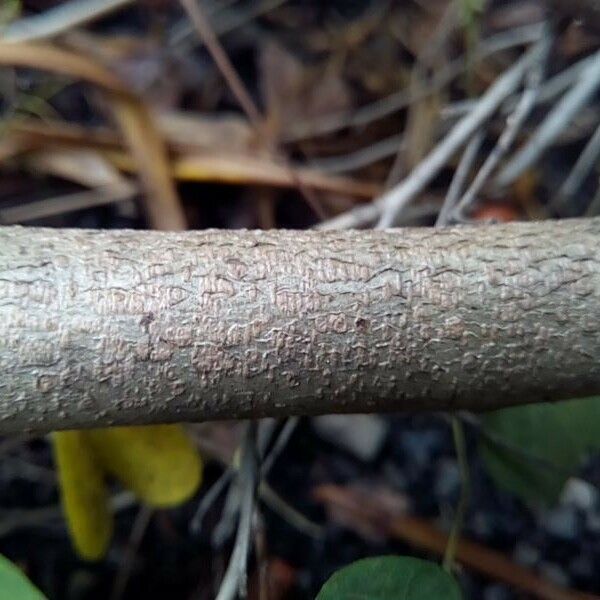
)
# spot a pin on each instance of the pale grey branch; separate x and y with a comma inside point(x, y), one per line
point(59, 19)
point(586, 162)
point(121, 327)
point(388, 207)
point(394, 201)
point(556, 121)
point(513, 124)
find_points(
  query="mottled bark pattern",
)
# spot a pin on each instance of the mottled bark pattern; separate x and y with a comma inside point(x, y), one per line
point(112, 327)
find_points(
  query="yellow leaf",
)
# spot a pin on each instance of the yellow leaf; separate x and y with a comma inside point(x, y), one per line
point(158, 462)
point(83, 494)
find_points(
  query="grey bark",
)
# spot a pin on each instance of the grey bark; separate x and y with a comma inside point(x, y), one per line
point(116, 327)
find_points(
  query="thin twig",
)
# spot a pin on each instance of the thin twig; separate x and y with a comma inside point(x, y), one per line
point(548, 92)
point(359, 158)
point(281, 442)
point(229, 515)
point(266, 430)
point(458, 436)
point(60, 205)
point(234, 581)
point(239, 90)
point(393, 202)
point(265, 493)
point(232, 504)
point(262, 555)
point(556, 121)
point(399, 100)
point(513, 125)
point(366, 215)
point(585, 163)
point(209, 499)
point(425, 60)
point(561, 82)
point(358, 217)
point(140, 525)
point(594, 207)
point(287, 512)
point(182, 36)
point(460, 177)
point(225, 66)
point(59, 19)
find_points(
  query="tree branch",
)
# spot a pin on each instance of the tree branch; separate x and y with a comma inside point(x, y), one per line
point(116, 327)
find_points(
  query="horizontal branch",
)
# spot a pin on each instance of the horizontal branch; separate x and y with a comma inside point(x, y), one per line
point(116, 327)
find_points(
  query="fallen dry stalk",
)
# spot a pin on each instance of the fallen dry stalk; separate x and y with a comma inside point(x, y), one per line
point(100, 328)
point(364, 509)
point(130, 112)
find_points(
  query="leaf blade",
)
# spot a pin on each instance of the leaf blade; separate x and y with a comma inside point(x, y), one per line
point(559, 436)
point(157, 462)
point(390, 578)
point(14, 584)
point(84, 496)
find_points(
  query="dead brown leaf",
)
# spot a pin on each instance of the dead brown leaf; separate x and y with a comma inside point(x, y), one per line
point(238, 170)
point(293, 91)
point(136, 123)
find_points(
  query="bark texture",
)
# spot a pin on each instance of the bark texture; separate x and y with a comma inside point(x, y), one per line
point(115, 327)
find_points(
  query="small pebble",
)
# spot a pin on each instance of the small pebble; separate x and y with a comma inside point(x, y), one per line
point(497, 592)
point(580, 494)
point(361, 435)
point(582, 566)
point(481, 524)
point(526, 555)
point(592, 523)
point(447, 478)
point(552, 572)
point(420, 446)
point(561, 522)
point(395, 476)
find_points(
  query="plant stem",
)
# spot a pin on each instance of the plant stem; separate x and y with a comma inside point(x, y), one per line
point(458, 435)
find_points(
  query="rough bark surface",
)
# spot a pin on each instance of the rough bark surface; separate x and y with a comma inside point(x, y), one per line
point(115, 327)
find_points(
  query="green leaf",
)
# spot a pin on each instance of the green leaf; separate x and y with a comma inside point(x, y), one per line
point(391, 578)
point(9, 11)
point(532, 450)
point(471, 8)
point(14, 585)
